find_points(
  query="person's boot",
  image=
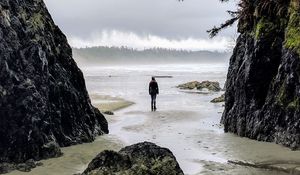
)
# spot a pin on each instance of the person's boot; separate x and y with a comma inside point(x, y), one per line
point(154, 107)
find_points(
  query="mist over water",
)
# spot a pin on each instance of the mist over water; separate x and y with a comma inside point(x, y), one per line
point(108, 56)
point(142, 23)
point(156, 69)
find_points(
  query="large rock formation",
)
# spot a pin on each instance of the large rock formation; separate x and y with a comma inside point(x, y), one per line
point(44, 103)
point(263, 83)
point(141, 158)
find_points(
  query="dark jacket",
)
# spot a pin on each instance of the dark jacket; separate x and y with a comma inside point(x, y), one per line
point(153, 88)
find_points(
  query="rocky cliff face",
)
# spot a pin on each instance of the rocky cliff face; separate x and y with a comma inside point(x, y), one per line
point(44, 103)
point(263, 83)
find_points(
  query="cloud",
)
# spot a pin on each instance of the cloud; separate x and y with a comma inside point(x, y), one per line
point(132, 40)
point(169, 19)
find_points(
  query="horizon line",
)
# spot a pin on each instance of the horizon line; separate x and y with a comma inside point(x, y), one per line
point(152, 48)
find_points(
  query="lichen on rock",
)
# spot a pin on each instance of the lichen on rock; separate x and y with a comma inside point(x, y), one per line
point(293, 30)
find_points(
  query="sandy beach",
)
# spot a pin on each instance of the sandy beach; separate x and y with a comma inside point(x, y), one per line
point(109, 103)
point(186, 123)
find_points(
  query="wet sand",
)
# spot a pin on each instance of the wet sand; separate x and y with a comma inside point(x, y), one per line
point(109, 103)
point(186, 123)
point(201, 147)
point(75, 158)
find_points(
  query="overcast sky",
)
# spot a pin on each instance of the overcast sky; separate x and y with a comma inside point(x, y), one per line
point(142, 23)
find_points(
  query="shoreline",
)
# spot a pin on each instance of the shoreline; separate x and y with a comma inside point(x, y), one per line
point(75, 158)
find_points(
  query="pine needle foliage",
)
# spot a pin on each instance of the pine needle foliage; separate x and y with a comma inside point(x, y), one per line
point(249, 10)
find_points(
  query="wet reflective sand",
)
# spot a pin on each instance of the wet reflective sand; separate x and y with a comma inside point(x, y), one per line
point(186, 123)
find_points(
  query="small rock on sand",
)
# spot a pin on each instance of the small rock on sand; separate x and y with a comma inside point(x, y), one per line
point(210, 85)
point(219, 99)
point(108, 113)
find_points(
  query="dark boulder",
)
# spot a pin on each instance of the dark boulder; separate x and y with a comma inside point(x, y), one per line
point(24, 167)
point(141, 158)
point(44, 103)
point(7, 167)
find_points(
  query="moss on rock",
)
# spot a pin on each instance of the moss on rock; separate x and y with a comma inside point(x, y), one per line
point(264, 27)
point(36, 22)
point(294, 104)
point(293, 29)
point(281, 96)
point(262, 89)
point(141, 158)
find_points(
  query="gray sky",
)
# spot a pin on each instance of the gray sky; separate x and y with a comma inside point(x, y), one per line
point(142, 23)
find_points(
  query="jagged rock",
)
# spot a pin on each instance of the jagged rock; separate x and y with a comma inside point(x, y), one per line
point(211, 86)
point(6, 168)
point(24, 167)
point(218, 99)
point(263, 83)
point(44, 102)
point(190, 85)
point(141, 158)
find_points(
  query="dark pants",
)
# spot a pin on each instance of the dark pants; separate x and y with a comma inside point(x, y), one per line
point(153, 101)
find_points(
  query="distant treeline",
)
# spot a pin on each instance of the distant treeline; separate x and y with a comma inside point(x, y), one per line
point(104, 54)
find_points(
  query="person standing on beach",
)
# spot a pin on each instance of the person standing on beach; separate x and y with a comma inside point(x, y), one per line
point(153, 92)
